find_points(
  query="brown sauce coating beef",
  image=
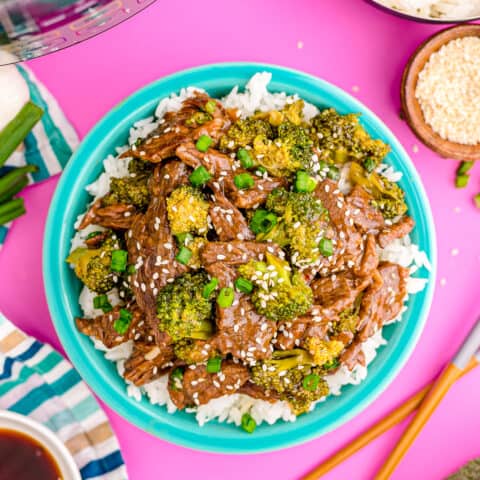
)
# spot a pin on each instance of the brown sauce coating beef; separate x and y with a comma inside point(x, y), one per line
point(259, 393)
point(119, 217)
point(216, 163)
point(290, 334)
point(199, 386)
point(148, 362)
point(150, 244)
point(398, 230)
point(237, 252)
point(370, 259)
point(366, 217)
point(353, 355)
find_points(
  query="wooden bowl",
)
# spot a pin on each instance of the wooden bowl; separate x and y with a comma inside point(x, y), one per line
point(411, 107)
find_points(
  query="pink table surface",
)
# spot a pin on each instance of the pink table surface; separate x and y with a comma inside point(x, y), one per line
point(356, 47)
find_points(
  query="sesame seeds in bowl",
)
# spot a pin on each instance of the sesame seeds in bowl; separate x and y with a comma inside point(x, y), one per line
point(440, 94)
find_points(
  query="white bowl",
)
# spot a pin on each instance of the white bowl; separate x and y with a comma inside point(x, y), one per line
point(44, 436)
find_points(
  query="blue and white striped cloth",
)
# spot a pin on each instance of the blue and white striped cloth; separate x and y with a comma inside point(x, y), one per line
point(37, 381)
point(51, 142)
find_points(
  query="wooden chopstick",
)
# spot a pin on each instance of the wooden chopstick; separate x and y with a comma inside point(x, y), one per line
point(392, 419)
point(447, 378)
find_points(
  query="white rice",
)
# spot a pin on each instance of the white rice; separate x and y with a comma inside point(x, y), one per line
point(444, 9)
point(230, 408)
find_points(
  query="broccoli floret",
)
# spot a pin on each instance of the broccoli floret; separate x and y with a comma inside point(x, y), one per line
point(323, 351)
point(279, 293)
point(182, 310)
point(244, 132)
point(131, 190)
point(285, 373)
point(196, 246)
point(92, 266)
point(341, 137)
point(187, 211)
point(193, 351)
point(302, 223)
point(388, 197)
point(348, 318)
point(137, 166)
point(292, 112)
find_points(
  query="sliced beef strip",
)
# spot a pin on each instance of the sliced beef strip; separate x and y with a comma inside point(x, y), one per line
point(119, 217)
point(174, 130)
point(150, 244)
point(338, 291)
point(259, 393)
point(148, 362)
point(398, 230)
point(353, 355)
point(199, 386)
point(102, 327)
point(97, 240)
point(370, 259)
point(228, 221)
point(383, 300)
point(237, 252)
point(241, 331)
point(216, 163)
point(348, 244)
point(290, 334)
point(366, 217)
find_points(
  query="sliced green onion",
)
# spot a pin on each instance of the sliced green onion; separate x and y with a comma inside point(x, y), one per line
point(326, 247)
point(310, 382)
point(203, 143)
point(245, 158)
point(93, 234)
point(464, 167)
point(331, 364)
point(260, 171)
point(476, 200)
point(11, 210)
point(184, 238)
point(15, 132)
point(210, 287)
point(176, 377)
point(210, 106)
point(214, 365)
point(244, 181)
point(102, 302)
point(461, 181)
point(263, 221)
point(304, 182)
point(225, 297)
point(248, 423)
point(199, 176)
point(243, 285)
point(122, 324)
point(131, 270)
point(333, 172)
point(369, 165)
point(16, 179)
point(119, 260)
point(184, 255)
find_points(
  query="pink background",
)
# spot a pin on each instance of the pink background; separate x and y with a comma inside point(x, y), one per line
point(346, 42)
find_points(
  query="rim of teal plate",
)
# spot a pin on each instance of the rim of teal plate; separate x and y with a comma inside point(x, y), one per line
point(62, 288)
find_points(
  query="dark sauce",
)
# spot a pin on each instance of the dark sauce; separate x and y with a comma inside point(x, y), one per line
point(23, 458)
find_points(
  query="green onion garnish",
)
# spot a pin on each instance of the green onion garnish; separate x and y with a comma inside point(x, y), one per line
point(199, 176)
point(461, 181)
point(210, 106)
point(304, 182)
point(310, 382)
point(243, 285)
point(225, 297)
point(184, 255)
point(102, 302)
point(245, 158)
point(93, 234)
point(244, 181)
point(369, 165)
point(122, 324)
point(210, 287)
point(248, 423)
point(214, 365)
point(184, 238)
point(11, 210)
point(119, 260)
point(203, 143)
point(176, 377)
point(263, 221)
point(333, 172)
point(131, 270)
point(331, 364)
point(260, 171)
point(326, 247)
point(464, 167)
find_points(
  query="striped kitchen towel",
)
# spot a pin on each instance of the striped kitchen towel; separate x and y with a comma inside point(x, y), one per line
point(37, 381)
point(51, 142)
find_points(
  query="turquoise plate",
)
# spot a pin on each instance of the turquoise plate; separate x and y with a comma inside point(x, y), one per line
point(62, 287)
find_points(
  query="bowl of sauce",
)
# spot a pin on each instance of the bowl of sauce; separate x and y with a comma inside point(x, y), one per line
point(30, 451)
